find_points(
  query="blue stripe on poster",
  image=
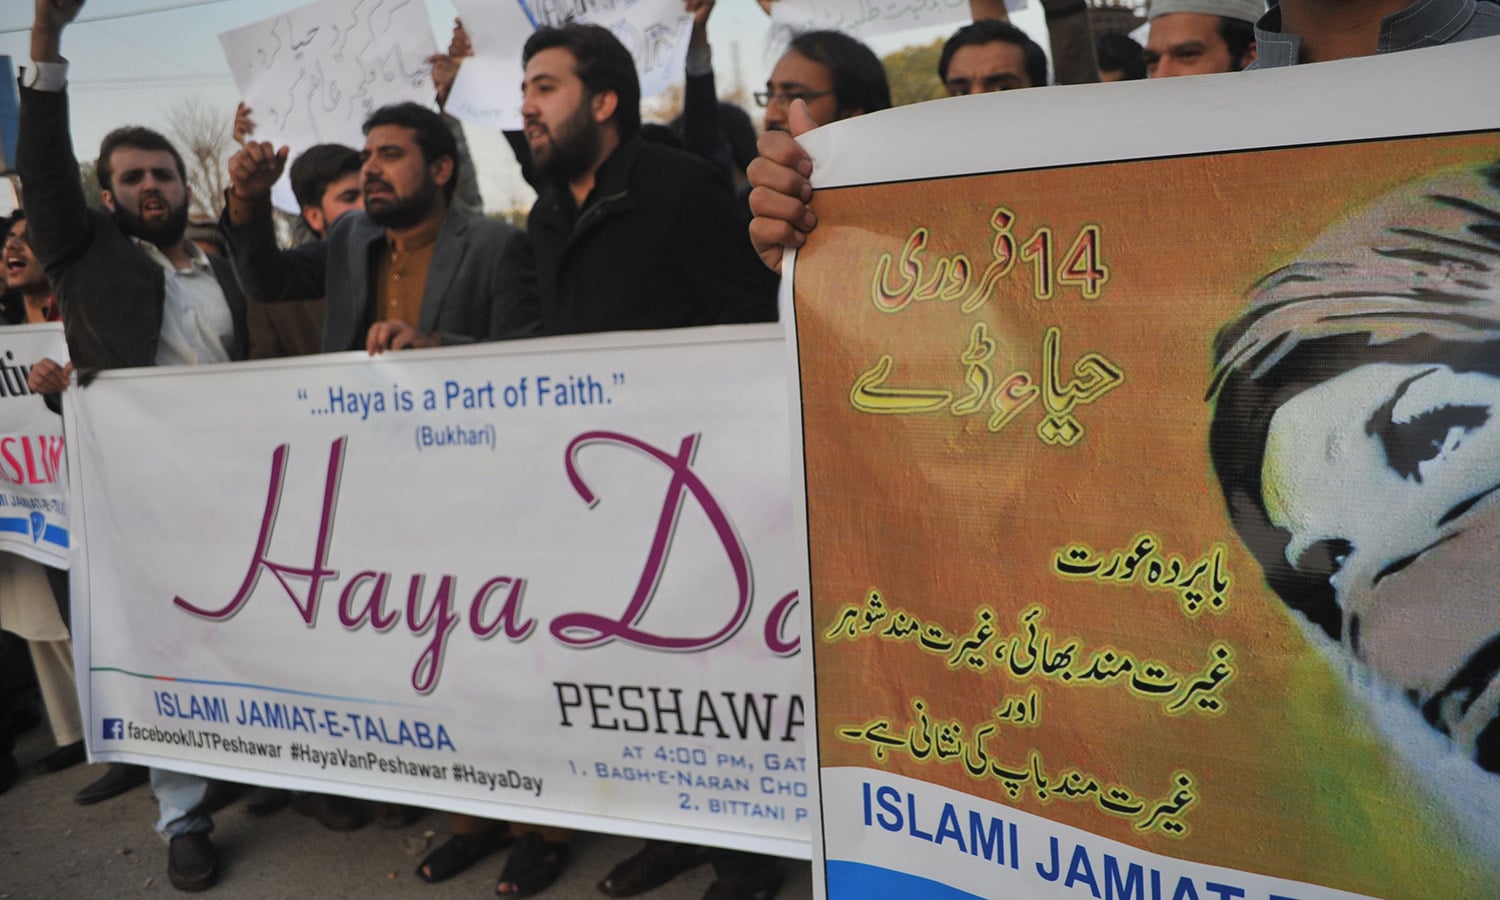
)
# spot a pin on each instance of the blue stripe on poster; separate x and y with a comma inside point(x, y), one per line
point(858, 881)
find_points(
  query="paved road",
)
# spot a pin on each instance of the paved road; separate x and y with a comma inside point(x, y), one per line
point(53, 848)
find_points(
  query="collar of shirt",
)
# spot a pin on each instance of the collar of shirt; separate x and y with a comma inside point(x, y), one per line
point(195, 254)
point(1425, 23)
point(414, 240)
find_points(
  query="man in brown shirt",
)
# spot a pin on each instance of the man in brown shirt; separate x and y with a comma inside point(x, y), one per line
point(326, 182)
point(412, 270)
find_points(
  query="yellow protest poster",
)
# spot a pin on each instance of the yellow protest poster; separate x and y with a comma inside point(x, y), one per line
point(1151, 496)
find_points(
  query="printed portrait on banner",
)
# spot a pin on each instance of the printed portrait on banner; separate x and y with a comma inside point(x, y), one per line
point(1152, 522)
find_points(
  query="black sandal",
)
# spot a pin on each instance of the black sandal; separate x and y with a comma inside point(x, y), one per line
point(532, 866)
point(461, 851)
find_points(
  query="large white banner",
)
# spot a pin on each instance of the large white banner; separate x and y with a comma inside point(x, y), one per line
point(549, 580)
point(33, 468)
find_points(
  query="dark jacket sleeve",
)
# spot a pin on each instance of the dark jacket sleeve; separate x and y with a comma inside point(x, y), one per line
point(268, 273)
point(516, 308)
point(58, 223)
point(721, 264)
point(702, 133)
point(522, 150)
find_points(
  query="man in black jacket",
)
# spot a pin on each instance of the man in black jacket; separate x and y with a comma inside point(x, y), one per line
point(413, 269)
point(133, 292)
point(632, 235)
point(628, 235)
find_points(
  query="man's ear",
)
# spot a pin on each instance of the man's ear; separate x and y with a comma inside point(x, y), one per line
point(605, 104)
point(441, 170)
point(313, 216)
point(1249, 56)
point(109, 200)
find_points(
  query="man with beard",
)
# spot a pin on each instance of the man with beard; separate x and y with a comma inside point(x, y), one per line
point(1290, 33)
point(834, 74)
point(413, 269)
point(133, 292)
point(326, 182)
point(628, 235)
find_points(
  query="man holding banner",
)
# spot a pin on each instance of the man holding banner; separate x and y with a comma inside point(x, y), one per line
point(611, 201)
point(780, 177)
point(628, 235)
point(133, 292)
point(446, 275)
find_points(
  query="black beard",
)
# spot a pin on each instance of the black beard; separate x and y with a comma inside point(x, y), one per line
point(162, 234)
point(403, 212)
point(574, 147)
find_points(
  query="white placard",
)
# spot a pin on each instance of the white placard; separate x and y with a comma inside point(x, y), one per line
point(869, 18)
point(487, 91)
point(314, 74)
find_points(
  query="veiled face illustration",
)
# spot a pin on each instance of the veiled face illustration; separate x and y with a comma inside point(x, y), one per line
point(1385, 480)
point(1356, 437)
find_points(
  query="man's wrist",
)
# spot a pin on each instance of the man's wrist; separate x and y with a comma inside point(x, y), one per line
point(46, 43)
point(244, 209)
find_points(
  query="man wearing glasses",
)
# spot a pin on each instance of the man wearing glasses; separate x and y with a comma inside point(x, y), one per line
point(833, 73)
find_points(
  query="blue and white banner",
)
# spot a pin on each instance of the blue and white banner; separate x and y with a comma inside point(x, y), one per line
point(33, 465)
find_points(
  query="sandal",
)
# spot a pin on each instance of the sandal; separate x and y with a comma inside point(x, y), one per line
point(656, 864)
point(461, 851)
point(533, 865)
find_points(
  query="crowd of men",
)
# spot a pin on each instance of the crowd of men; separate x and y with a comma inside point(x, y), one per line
point(635, 226)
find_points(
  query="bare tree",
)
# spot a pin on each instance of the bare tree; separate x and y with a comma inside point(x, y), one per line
point(202, 135)
point(665, 106)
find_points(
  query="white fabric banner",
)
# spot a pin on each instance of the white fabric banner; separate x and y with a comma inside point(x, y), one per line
point(549, 580)
point(33, 467)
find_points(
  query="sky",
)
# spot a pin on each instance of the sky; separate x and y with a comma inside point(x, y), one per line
point(136, 64)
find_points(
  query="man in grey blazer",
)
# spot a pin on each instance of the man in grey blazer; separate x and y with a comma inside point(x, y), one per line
point(412, 270)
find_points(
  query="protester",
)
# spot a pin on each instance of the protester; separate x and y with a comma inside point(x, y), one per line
point(832, 73)
point(53, 658)
point(133, 292)
point(444, 275)
point(989, 55)
point(780, 176)
point(1201, 37)
point(1308, 31)
point(326, 182)
point(720, 132)
point(658, 248)
point(631, 235)
point(30, 605)
point(1120, 58)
